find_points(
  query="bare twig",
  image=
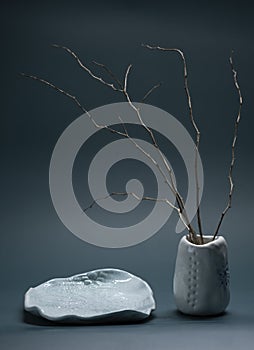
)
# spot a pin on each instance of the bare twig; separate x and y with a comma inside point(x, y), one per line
point(178, 197)
point(123, 134)
point(237, 121)
point(120, 85)
point(124, 91)
point(55, 88)
point(138, 198)
point(75, 100)
point(181, 212)
point(112, 86)
point(146, 154)
point(110, 73)
point(134, 195)
point(187, 91)
point(149, 92)
point(149, 131)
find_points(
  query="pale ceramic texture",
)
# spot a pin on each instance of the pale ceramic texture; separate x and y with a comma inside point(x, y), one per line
point(97, 296)
point(201, 279)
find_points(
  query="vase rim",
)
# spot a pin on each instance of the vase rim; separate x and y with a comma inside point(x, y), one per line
point(217, 239)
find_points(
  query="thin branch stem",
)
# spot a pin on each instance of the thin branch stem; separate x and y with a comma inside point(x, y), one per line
point(181, 212)
point(147, 155)
point(149, 131)
point(125, 134)
point(118, 82)
point(124, 91)
point(49, 84)
point(194, 124)
point(134, 195)
point(75, 100)
point(178, 197)
point(149, 92)
point(111, 86)
point(237, 121)
point(110, 73)
point(138, 198)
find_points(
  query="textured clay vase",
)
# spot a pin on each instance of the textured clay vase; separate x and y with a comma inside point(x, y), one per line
point(201, 280)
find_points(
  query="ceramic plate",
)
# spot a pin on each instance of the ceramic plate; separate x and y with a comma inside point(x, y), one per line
point(95, 296)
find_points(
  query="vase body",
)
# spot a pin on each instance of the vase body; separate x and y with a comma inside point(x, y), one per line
point(201, 279)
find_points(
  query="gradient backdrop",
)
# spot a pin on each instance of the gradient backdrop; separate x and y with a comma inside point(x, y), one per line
point(35, 246)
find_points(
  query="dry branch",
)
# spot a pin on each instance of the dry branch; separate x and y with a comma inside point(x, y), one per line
point(94, 76)
point(126, 94)
point(150, 91)
point(75, 100)
point(123, 134)
point(99, 126)
point(177, 195)
point(118, 82)
point(134, 195)
point(237, 121)
point(187, 91)
point(118, 86)
point(110, 73)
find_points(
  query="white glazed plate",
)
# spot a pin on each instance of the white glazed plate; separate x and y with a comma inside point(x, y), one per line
point(104, 295)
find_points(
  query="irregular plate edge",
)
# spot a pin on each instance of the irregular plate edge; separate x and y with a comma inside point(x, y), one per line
point(35, 309)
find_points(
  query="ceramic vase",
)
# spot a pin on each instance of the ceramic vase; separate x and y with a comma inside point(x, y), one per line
point(201, 279)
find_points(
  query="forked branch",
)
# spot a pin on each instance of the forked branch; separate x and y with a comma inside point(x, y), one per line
point(138, 198)
point(75, 100)
point(110, 73)
point(84, 67)
point(179, 199)
point(237, 121)
point(189, 100)
point(120, 85)
point(100, 126)
point(123, 89)
point(134, 195)
point(123, 134)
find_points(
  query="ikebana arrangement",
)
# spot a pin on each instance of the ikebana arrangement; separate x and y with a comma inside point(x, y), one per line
point(201, 279)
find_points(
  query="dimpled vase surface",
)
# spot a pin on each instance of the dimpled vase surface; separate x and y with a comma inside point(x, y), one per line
point(201, 279)
point(103, 295)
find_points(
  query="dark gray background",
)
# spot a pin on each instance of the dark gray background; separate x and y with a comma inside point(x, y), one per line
point(35, 246)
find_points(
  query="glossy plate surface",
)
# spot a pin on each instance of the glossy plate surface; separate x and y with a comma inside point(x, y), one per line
point(96, 296)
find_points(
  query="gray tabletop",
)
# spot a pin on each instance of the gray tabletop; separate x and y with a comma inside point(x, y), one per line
point(165, 329)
